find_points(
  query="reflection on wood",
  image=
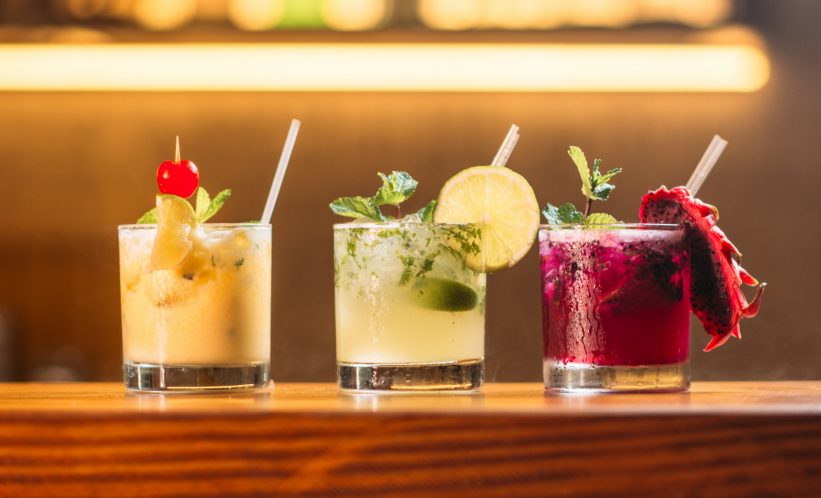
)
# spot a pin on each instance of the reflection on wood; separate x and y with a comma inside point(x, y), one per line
point(729, 439)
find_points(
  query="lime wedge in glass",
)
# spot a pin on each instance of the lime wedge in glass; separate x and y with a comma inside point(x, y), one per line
point(443, 295)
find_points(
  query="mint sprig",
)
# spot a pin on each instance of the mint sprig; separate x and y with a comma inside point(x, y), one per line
point(595, 187)
point(600, 219)
point(580, 161)
point(149, 217)
point(566, 214)
point(204, 210)
point(600, 187)
point(357, 207)
point(396, 188)
point(203, 201)
point(426, 213)
point(207, 207)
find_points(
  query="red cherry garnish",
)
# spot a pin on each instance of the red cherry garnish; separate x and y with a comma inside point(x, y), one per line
point(178, 177)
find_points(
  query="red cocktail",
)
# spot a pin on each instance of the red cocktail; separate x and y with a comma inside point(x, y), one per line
point(616, 307)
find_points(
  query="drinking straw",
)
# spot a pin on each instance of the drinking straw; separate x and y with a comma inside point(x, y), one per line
point(280, 173)
point(708, 160)
point(507, 147)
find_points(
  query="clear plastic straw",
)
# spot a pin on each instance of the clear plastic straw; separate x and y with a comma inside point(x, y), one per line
point(708, 160)
point(507, 147)
point(280, 173)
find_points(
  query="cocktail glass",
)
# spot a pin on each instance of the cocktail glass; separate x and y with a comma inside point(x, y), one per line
point(204, 325)
point(410, 313)
point(616, 308)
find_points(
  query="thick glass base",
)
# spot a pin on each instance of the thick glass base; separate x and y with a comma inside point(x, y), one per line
point(411, 377)
point(153, 378)
point(588, 378)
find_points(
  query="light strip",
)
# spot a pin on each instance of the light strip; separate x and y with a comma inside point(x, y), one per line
point(383, 67)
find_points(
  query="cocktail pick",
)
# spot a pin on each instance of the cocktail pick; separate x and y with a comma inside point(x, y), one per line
point(708, 160)
point(290, 140)
point(506, 149)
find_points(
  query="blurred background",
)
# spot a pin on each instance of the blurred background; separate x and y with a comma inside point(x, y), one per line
point(93, 93)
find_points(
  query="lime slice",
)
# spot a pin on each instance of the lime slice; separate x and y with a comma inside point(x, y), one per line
point(502, 204)
point(443, 295)
point(175, 222)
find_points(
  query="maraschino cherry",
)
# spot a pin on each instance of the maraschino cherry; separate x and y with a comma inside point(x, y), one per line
point(178, 177)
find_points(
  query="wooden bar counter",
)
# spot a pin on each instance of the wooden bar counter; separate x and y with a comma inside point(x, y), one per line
point(729, 439)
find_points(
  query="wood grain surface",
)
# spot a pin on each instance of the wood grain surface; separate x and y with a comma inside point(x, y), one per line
point(722, 439)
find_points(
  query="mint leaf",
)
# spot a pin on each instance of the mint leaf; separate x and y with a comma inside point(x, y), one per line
point(407, 269)
point(602, 189)
point(148, 217)
point(600, 219)
point(426, 213)
point(396, 188)
point(551, 214)
point(580, 161)
point(595, 187)
point(564, 214)
point(203, 201)
point(608, 176)
point(214, 206)
point(205, 206)
point(602, 192)
point(569, 214)
point(357, 207)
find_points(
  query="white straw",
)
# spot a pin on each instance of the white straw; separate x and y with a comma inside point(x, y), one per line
point(507, 147)
point(708, 160)
point(280, 174)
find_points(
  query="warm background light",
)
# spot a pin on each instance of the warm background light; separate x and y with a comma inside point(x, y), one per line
point(354, 15)
point(450, 14)
point(84, 9)
point(384, 67)
point(255, 15)
point(368, 15)
point(164, 15)
point(549, 14)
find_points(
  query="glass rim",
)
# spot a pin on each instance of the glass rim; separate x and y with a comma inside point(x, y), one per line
point(395, 224)
point(611, 226)
point(146, 226)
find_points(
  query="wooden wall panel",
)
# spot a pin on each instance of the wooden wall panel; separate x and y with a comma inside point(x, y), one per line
point(74, 165)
